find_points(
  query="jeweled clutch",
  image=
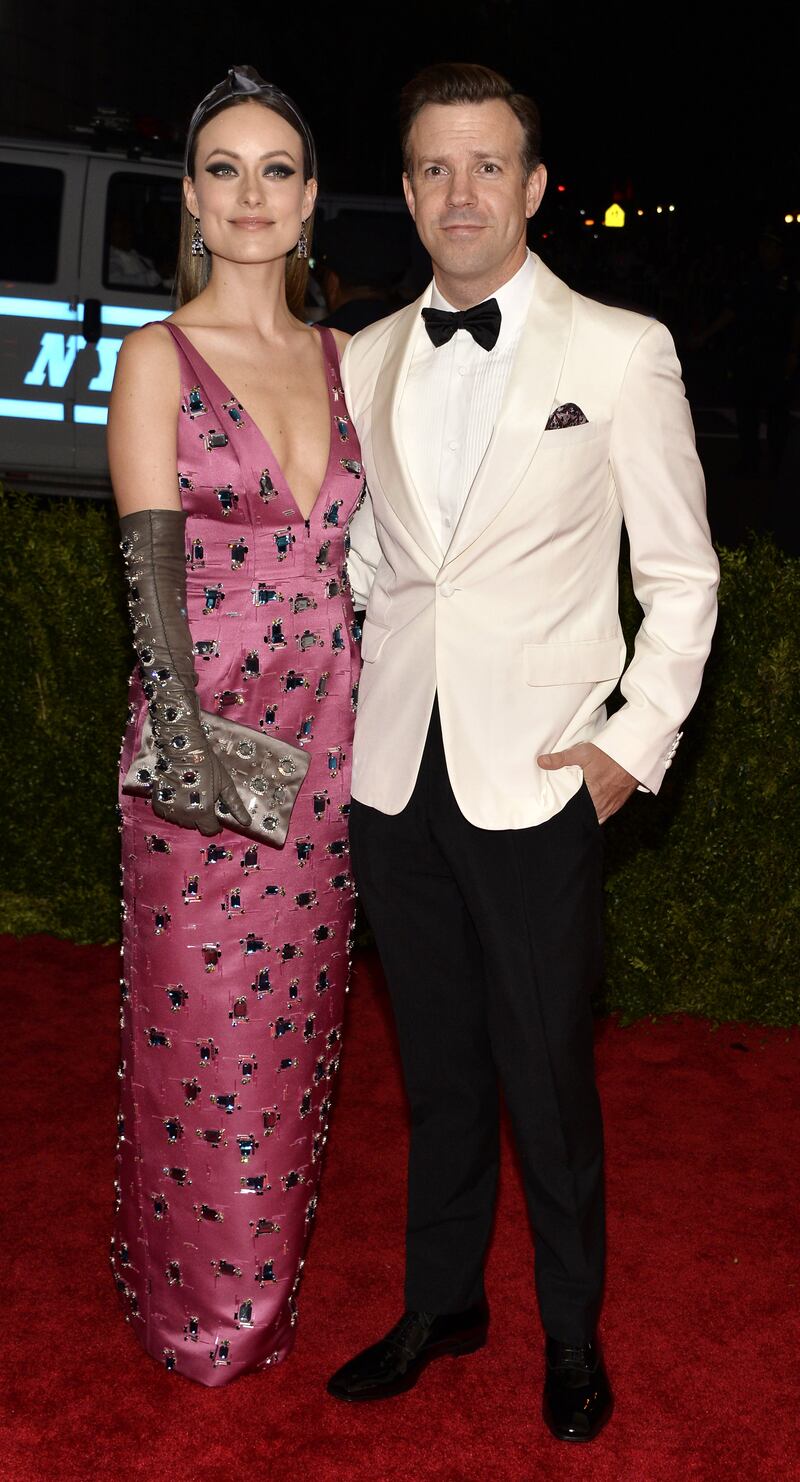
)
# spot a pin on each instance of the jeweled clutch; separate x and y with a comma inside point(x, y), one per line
point(267, 772)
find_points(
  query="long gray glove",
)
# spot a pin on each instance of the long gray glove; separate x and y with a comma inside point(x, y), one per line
point(190, 775)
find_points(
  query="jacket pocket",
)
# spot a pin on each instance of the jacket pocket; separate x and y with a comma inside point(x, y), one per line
point(573, 663)
point(582, 432)
point(372, 640)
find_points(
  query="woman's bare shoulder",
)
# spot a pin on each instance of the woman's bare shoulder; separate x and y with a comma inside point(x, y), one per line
point(150, 347)
point(142, 421)
point(147, 358)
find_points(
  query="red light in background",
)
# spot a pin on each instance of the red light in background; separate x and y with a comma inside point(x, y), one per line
point(561, 189)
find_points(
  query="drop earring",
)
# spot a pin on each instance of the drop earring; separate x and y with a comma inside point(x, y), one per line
point(198, 245)
point(302, 245)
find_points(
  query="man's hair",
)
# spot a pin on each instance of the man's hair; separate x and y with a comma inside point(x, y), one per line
point(467, 82)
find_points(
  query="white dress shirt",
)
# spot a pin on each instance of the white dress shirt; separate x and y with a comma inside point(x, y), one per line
point(450, 404)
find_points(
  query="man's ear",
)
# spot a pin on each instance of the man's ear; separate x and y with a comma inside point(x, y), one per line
point(534, 190)
point(408, 192)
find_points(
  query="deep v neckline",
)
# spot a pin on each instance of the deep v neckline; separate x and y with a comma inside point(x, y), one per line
point(229, 394)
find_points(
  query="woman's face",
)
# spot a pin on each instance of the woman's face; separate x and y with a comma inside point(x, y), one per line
point(248, 189)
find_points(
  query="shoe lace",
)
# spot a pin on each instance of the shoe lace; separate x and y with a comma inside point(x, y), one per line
point(410, 1323)
point(575, 1355)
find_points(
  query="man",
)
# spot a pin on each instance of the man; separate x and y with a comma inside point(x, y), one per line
point(507, 428)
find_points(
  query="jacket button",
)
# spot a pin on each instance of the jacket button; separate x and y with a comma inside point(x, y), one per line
point(446, 589)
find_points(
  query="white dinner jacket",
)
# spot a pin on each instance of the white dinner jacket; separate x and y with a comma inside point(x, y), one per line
point(517, 627)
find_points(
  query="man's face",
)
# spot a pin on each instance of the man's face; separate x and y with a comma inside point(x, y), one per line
point(466, 191)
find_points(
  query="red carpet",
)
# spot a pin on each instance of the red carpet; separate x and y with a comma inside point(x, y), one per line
point(700, 1323)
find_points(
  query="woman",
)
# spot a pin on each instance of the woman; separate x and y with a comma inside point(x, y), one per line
point(235, 470)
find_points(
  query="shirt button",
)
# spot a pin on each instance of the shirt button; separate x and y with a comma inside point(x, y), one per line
point(462, 370)
point(453, 446)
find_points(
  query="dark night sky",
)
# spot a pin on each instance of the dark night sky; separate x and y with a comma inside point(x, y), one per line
point(690, 104)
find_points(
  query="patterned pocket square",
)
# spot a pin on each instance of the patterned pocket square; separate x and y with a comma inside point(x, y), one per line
point(569, 415)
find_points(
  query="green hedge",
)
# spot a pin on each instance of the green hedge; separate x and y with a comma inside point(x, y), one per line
point(66, 656)
point(702, 886)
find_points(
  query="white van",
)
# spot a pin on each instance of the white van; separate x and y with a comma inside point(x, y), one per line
point(88, 253)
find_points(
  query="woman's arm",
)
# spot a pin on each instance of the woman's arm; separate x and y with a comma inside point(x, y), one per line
point(142, 443)
point(143, 422)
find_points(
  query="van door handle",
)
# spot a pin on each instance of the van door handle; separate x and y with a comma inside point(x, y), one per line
point(91, 327)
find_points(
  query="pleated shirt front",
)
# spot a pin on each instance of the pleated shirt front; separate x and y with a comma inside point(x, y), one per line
point(451, 401)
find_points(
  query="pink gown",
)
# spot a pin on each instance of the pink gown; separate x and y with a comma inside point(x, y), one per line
point(236, 954)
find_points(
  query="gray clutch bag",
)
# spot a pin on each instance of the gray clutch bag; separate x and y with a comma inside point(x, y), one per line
point(267, 772)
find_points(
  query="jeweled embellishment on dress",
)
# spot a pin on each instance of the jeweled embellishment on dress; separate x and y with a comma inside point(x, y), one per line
point(235, 411)
point(227, 498)
point(266, 488)
point(194, 403)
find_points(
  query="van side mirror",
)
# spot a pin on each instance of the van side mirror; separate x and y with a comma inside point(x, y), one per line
point(91, 328)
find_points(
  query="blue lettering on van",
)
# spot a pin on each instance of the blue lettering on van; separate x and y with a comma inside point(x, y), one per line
point(107, 352)
point(57, 355)
point(55, 360)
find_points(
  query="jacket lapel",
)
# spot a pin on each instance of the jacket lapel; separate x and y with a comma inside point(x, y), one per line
point(524, 411)
point(391, 464)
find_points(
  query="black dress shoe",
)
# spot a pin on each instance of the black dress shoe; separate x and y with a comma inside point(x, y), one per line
point(395, 1363)
point(577, 1396)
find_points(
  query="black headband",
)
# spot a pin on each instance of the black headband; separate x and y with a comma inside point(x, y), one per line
point(244, 82)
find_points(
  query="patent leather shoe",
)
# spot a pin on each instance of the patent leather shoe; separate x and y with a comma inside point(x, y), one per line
point(577, 1396)
point(395, 1363)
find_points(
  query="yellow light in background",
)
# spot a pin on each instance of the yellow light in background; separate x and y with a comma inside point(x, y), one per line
point(589, 221)
point(640, 212)
point(615, 216)
point(788, 218)
point(660, 210)
point(672, 208)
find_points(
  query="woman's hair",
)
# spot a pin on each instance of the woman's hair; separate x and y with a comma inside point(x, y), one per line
point(467, 82)
point(243, 85)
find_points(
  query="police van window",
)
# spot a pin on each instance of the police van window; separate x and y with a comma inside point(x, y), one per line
point(141, 236)
point(31, 196)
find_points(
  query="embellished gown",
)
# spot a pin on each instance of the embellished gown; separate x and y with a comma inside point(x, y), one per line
point(236, 954)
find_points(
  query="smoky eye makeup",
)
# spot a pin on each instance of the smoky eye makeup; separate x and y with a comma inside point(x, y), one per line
point(221, 168)
point(282, 168)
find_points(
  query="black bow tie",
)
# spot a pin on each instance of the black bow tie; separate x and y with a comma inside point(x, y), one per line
point(483, 323)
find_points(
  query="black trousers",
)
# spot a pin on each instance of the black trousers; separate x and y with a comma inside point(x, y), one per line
point(491, 942)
